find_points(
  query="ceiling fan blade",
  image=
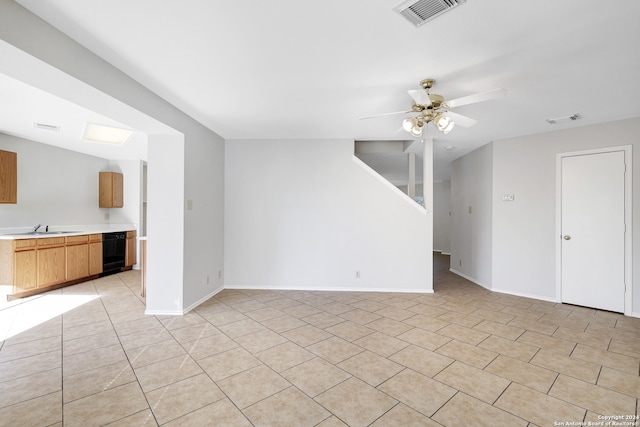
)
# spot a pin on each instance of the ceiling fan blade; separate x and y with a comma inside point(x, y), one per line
point(386, 114)
point(461, 120)
point(420, 97)
point(478, 97)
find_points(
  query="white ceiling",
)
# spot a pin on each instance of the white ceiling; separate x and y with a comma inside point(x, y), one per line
point(23, 106)
point(291, 69)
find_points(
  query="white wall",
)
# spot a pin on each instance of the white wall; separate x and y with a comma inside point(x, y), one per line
point(471, 232)
point(55, 186)
point(131, 171)
point(102, 88)
point(524, 230)
point(131, 211)
point(165, 241)
point(442, 216)
point(204, 224)
point(307, 214)
point(519, 243)
point(419, 189)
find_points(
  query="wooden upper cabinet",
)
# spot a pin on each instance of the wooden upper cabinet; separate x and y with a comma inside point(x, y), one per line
point(8, 177)
point(111, 190)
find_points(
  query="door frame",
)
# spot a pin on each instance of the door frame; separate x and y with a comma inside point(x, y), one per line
point(628, 218)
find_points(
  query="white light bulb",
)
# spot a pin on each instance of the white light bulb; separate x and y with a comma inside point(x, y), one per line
point(448, 127)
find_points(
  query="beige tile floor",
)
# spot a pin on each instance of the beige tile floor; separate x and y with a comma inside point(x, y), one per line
point(463, 356)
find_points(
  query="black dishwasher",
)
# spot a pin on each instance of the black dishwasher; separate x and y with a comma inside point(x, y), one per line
point(113, 252)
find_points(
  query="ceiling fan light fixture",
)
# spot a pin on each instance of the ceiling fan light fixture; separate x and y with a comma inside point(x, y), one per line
point(434, 108)
point(407, 124)
point(444, 123)
point(416, 130)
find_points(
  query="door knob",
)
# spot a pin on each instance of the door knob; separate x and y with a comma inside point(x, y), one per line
point(566, 237)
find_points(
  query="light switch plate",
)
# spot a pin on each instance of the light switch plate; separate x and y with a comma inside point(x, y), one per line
point(508, 197)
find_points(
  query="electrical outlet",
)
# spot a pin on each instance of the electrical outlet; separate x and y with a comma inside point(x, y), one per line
point(470, 209)
point(219, 274)
point(460, 263)
point(208, 279)
point(357, 274)
point(106, 216)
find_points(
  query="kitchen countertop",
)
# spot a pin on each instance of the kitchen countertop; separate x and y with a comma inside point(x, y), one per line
point(16, 233)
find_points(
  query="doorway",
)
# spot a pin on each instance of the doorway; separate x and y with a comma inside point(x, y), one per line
point(594, 228)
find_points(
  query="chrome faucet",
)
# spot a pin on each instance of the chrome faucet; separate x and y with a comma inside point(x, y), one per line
point(35, 229)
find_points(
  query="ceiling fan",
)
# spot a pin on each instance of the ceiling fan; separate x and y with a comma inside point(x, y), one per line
point(430, 107)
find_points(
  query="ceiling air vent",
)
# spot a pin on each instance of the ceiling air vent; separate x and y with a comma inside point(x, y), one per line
point(44, 126)
point(572, 117)
point(420, 11)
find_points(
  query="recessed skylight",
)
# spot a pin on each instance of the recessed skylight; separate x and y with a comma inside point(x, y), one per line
point(106, 134)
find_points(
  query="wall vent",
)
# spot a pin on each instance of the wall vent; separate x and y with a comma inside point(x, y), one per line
point(420, 11)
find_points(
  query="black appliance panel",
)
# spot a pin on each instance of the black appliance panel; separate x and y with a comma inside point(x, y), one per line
point(113, 252)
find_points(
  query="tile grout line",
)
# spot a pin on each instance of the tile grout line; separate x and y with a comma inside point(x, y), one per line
point(129, 360)
point(301, 298)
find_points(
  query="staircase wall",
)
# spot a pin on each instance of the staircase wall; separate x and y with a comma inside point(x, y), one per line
point(307, 214)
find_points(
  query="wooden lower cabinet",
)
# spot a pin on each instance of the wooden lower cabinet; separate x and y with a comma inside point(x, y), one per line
point(77, 250)
point(51, 266)
point(95, 257)
point(130, 249)
point(77, 261)
point(29, 266)
point(26, 271)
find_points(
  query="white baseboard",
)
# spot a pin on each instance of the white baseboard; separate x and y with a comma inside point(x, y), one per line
point(471, 279)
point(634, 314)
point(503, 291)
point(163, 313)
point(333, 289)
point(203, 299)
point(525, 295)
point(184, 311)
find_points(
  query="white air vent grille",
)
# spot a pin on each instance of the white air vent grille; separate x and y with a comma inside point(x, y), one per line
point(44, 126)
point(572, 117)
point(421, 11)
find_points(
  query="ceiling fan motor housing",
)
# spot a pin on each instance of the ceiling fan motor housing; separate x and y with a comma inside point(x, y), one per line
point(436, 101)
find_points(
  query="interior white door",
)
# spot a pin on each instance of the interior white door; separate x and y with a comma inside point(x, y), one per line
point(592, 224)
